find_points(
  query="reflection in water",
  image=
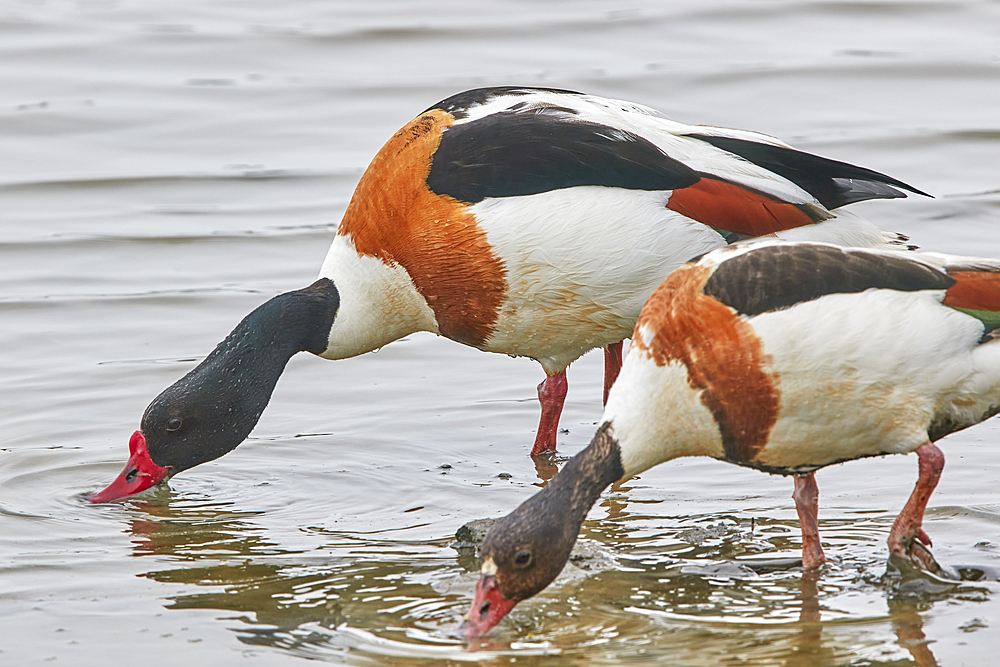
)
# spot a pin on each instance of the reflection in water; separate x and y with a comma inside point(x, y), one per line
point(546, 468)
point(809, 642)
point(809, 648)
point(375, 595)
point(288, 598)
point(206, 531)
point(909, 627)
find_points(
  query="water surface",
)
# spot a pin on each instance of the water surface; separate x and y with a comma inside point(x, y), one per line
point(169, 166)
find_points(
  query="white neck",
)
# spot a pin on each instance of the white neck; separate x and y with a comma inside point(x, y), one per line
point(657, 416)
point(378, 302)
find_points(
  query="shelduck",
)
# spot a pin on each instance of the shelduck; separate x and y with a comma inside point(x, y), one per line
point(524, 221)
point(785, 357)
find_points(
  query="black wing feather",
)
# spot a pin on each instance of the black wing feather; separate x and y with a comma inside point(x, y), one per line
point(831, 182)
point(780, 276)
point(509, 154)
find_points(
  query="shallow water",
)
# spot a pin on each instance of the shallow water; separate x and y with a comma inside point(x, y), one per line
point(169, 166)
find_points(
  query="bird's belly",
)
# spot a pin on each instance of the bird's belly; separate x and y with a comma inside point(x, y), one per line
point(839, 421)
point(853, 385)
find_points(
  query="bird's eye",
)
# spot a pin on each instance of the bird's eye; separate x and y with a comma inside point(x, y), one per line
point(522, 559)
point(173, 424)
point(130, 475)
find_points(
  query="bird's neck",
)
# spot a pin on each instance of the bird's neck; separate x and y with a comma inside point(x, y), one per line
point(565, 501)
point(582, 480)
point(236, 380)
point(264, 341)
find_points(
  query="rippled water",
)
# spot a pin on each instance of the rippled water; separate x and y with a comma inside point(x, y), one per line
point(168, 166)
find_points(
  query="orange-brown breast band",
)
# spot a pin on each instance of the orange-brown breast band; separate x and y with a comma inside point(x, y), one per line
point(723, 356)
point(974, 290)
point(732, 208)
point(395, 217)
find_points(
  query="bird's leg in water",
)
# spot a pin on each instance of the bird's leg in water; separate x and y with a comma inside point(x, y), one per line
point(551, 394)
point(806, 495)
point(907, 539)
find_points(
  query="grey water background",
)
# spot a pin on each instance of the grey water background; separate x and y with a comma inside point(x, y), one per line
point(167, 166)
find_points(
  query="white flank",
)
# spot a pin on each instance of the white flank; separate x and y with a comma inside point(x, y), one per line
point(846, 229)
point(864, 374)
point(580, 263)
point(378, 303)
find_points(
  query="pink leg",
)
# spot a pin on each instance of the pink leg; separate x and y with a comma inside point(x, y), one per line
point(551, 394)
point(806, 495)
point(907, 538)
point(612, 366)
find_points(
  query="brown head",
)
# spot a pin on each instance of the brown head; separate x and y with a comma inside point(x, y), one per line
point(527, 549)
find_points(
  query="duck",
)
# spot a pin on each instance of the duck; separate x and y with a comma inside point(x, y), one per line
point(785, 357)
point(529, 222)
